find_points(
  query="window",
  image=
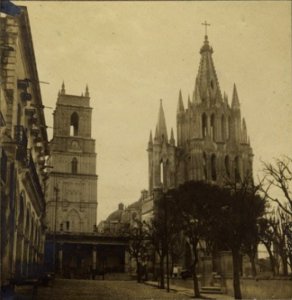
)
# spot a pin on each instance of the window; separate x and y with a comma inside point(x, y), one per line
point(237, 170)
point(74, 123)
point(67, 225)
point(213, 167)
point(205, 165)
point(204, 125)
point(227, 166)
point(74, 164)
point(213, 130)
point(223, 128)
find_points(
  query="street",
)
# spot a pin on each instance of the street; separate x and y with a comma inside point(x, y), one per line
point(63, 289)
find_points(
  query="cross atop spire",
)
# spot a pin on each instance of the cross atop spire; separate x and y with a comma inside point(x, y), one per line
point(206, 24)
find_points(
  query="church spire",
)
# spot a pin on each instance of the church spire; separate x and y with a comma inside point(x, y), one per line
point(62, 92)
point(235, 101)
point(206, 80)
point(180, 104)
point(161, 125)
point(86, 91)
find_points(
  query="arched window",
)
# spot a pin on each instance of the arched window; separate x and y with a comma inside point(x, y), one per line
point(205, 166)
point(74, 164)
point(223, 128)
point(227, 166)
point(237, 176)
point(161, 173)
point(213, 167)
point(74, 123)
point(213, 127)
point(204, 125)
point(228, 128)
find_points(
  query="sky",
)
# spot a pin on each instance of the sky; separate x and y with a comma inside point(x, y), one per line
point(132, 54)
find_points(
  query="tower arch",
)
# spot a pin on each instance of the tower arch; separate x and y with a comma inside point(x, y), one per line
point(74, 124)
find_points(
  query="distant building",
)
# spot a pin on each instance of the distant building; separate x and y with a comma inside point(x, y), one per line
point(23, 151)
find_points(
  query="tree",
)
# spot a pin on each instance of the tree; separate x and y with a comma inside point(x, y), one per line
point(138, 244)
point(241, 207)
point(278, 176)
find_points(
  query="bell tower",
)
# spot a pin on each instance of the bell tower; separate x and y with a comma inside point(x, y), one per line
point(72, 189)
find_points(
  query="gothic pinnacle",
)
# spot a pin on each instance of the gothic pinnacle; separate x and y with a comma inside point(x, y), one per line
point(172, 141)
point(86, 91)
point(63, 91)
point(235, 101)
point(161, 124)
point(180, 105)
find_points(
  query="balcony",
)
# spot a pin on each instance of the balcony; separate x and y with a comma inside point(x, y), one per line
point(34, 175)
point(21, 141)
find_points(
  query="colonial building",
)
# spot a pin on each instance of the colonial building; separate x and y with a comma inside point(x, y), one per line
point(72, 190)
point(212, 141)
point(23, 150)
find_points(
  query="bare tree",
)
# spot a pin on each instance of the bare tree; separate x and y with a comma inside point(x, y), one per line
point(278, 175)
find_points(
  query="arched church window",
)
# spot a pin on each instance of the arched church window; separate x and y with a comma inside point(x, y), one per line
point(228, 127)
point(227, 166)
point(204, 125)
point(223, 128)
point(74, 124)
point(237, 176)
point(74, 164)
point(213, 129)
point(213, 167)
point(212, 84)
point(161, 173)
point(205, 165)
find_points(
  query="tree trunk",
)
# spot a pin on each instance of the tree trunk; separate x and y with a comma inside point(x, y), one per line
point(195, 278)
point(272, 259)
point(236, 272)
point(162, 285)
point(253, 265)
point(284, 263)
point(138, 271)
point(196, 284)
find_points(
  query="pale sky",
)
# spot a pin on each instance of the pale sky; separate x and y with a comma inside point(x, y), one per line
point(131, 54)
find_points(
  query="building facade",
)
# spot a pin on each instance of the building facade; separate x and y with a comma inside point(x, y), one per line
point(212, 140)
point(23, 152)
point(72, 189)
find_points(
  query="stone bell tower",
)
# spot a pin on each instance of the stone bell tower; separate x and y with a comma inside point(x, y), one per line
point(72, 189)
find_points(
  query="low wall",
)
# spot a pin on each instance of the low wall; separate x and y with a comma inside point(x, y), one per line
point(262, 288)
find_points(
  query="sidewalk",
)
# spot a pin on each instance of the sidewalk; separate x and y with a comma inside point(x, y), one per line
point(190, 293)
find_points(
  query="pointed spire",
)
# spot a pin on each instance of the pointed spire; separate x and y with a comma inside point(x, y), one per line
point(156, 134)
point(63, 91)
point(150, 143)
point(189, 101)
point(161, 125)
point(86, 91)
point(172, 141)
point(180, 105)
point(235, 102)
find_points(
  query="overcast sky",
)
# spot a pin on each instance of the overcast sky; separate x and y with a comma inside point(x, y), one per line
point(131, 54)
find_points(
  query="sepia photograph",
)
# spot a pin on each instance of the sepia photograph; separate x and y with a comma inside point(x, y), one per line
point(145, 150)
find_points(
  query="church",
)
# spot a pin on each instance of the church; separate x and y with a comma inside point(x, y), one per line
point(212, 141)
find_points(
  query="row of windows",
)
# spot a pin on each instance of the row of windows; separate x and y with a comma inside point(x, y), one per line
point(225, 127)
point(236, 170)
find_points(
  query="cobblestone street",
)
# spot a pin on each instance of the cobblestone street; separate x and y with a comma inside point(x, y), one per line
point(103, 290)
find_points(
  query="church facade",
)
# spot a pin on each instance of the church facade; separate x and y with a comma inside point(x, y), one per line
point(212, 140)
